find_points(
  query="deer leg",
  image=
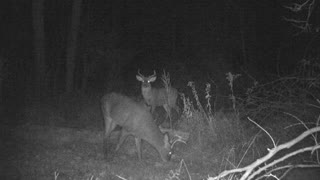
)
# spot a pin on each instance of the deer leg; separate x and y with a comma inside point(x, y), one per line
point(123, 137)
point(138, 145)
point(168, 110)
point(109, 126)
point(177, 109)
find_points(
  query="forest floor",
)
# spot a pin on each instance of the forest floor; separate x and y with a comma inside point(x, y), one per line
point(43, 152)
point(39, 152)
point(66, 142)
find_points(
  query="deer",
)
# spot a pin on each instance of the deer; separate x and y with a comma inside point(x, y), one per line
point(154, 97)
point(136, 120)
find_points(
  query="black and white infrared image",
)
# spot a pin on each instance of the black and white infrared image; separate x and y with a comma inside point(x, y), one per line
point(159, 89)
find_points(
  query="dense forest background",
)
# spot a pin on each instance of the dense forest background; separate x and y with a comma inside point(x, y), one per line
point(48, 48)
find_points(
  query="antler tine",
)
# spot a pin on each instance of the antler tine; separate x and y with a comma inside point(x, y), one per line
point(140, 73)
point(154, 73)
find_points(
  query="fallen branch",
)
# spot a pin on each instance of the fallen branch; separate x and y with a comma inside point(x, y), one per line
point(249, 172)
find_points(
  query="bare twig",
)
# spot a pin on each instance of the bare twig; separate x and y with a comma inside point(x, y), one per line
point(249, 170)
point(311, 148)
point(304, 25)
point(274, 144)
point(175, 174)
point(313, 135)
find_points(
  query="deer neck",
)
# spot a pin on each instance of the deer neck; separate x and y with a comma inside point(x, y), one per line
point(147, 94)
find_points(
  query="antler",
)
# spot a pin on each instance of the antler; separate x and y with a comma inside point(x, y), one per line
point(154, 73)
point(140, 73)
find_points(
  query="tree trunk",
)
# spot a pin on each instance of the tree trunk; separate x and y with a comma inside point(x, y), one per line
point(1, 80)
point(86, 66)
point(248, 35)
point(72, 45)
point(39, 45)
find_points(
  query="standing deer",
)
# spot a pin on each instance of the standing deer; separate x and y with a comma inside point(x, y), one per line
point(135, 119)
point(166, 97)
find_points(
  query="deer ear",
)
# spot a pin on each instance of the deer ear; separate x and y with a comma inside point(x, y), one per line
point(152, 79)
point(139, 78)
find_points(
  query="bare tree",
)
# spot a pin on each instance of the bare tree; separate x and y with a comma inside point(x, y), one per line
point(302, 20)
point(72, 44)
point(3, 75)
point(39, 45)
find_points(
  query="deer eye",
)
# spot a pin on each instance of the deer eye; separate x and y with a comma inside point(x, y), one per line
point(169, 155)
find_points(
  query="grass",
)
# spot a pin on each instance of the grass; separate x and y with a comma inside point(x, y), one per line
point(63, 138)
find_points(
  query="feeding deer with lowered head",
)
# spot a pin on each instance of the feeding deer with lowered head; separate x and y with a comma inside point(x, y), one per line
point(165, 97)
point(135, 119)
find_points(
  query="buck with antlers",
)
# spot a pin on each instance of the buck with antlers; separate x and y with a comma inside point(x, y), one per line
point(166, 97)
